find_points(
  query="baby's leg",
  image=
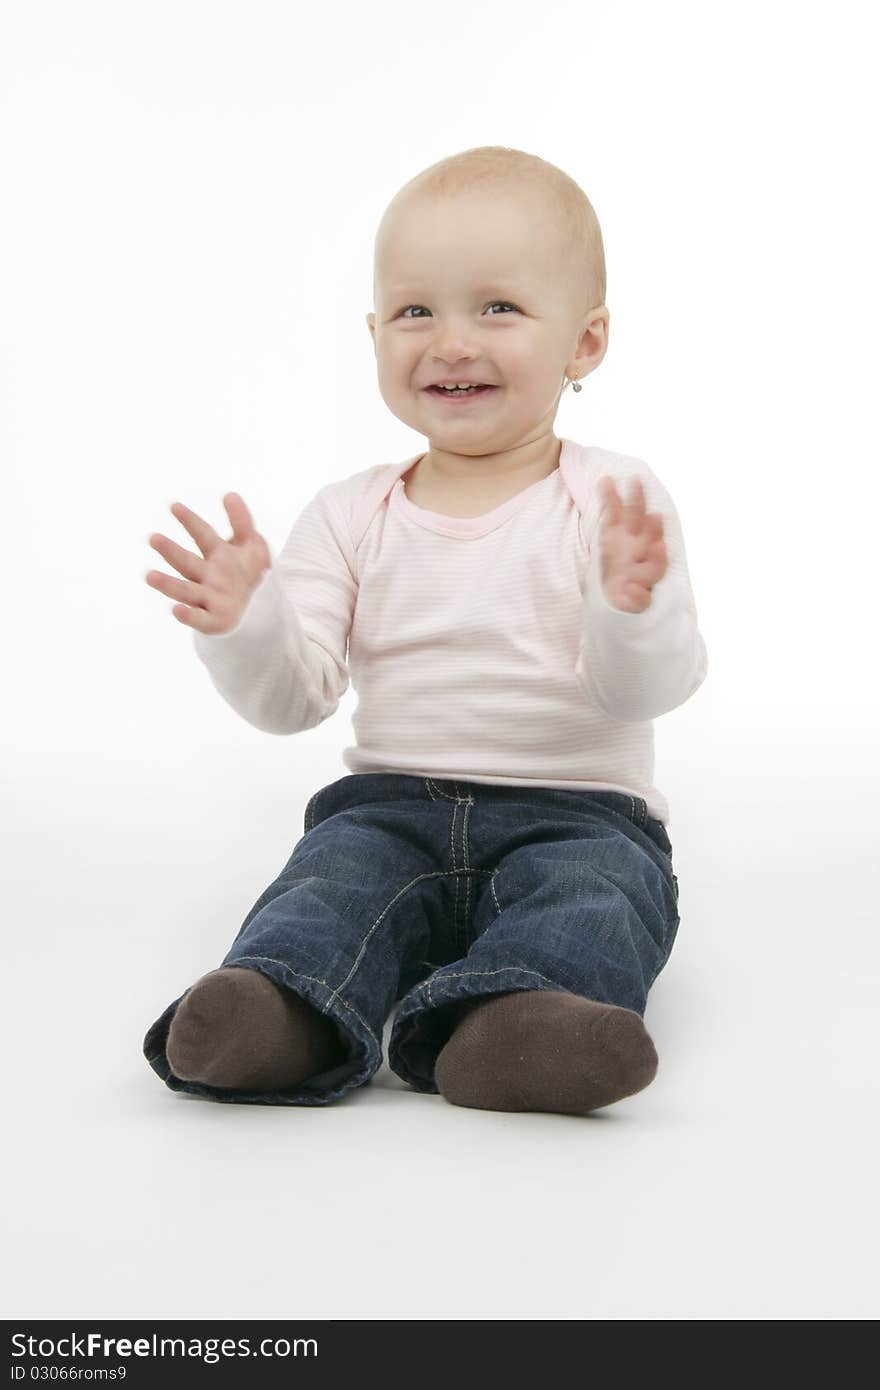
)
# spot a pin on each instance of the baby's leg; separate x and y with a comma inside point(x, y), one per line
point(294, 1015)
point(544, 1012)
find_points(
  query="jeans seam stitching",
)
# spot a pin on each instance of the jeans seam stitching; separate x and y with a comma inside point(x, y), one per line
point(455, 869)
point(437, 792)
point(494, 892)
point(463, 974)
point(467, 864)
point(438, 873)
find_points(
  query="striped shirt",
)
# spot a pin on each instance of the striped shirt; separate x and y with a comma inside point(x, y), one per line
point(480, 648)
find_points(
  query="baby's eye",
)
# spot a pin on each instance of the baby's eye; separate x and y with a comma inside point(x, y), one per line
point(503, 302)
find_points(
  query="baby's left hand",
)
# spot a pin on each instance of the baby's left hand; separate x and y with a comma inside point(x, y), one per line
point(632, 551)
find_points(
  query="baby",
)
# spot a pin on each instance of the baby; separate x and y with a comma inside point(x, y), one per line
point(513, 609)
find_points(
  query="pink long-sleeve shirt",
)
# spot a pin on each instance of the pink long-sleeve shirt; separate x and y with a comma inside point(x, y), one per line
point(481, 648)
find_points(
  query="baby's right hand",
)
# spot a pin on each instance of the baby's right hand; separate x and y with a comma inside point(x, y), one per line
point(221, 583)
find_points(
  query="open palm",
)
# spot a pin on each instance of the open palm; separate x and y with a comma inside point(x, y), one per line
point(631, 546)
point(218, 584)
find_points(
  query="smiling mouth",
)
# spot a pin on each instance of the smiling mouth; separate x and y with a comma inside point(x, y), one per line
point(456, 394)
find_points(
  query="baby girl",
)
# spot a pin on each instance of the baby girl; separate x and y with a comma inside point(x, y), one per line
point(514, 610)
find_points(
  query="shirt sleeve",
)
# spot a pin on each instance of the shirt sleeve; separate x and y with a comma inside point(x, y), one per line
point(283, 667)
point(636, 666)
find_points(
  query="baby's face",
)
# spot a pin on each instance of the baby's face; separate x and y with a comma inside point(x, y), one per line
point(474, 288)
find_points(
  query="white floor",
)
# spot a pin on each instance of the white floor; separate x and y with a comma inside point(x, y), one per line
point(740, 1185)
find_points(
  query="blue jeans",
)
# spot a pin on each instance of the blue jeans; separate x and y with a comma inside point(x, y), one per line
point(433, 892)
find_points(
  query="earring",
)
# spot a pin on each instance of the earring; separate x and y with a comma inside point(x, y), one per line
point(575, 384)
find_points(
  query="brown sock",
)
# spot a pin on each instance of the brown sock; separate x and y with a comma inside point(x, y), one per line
point(545, 1050)
point(236, 1028)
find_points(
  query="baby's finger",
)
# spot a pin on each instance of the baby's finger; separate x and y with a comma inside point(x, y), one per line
point(202, 532)
point(634, 509)
point(609, 500)
point(195, 617)
point(646, 571)
point(242, 522)
point(192, 566)
point(176, 588)
point(647, 535)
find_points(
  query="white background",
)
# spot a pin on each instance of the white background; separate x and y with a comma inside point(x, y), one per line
point(190, 194)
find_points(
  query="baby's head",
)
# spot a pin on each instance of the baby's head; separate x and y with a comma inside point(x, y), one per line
point(489, 267)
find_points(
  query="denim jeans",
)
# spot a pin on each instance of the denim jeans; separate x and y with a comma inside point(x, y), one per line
point(432, 892)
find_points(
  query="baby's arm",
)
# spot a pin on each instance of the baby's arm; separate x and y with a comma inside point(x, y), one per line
point(283, 667)
point(636, 666)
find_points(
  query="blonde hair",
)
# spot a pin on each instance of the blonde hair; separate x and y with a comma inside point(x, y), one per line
point(494, 166)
